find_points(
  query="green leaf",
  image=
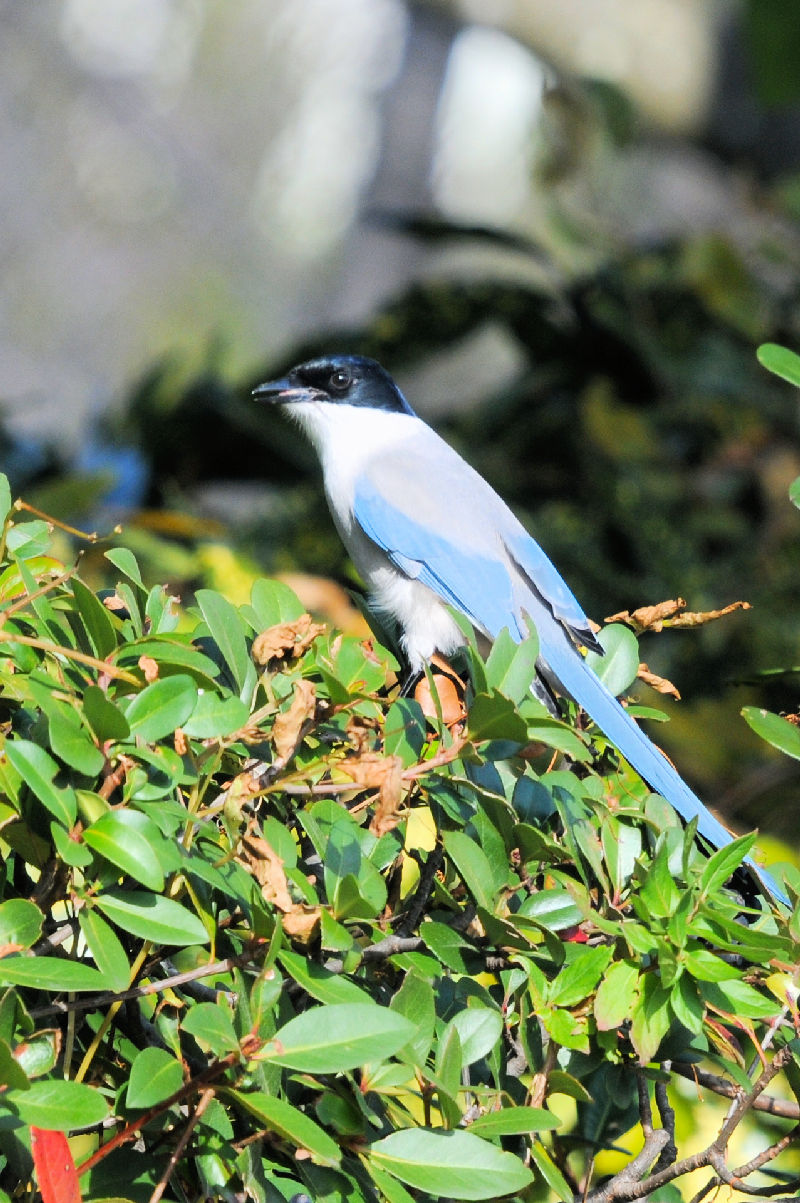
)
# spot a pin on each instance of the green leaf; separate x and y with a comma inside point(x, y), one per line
point(445, 944)
point(473, 865)
point(152, 917)
point(215, 717)
point(703, 964)
point(161, 707)
point(740, 998)
point(39, 1053)
point(781, 361)
point(405, 731)
point(326, 987)
point(335, 1038)
point(578, 978)
point(155, 1075)
point(491, 716)
point(651, 1018)
point(616, 995)
point(49, 973)
point(73, 744)
point(39, 770)
point(227, 630)
point(106, 949)
point(5, 497)
point(125, 561)
point(127, 838)
point(291, 1124)
point(104, 717)
point(551, 1173)
point(514, 1121)
point(457, 1165)
point(511, 666)
point(794, 492)
point(554, 909)
point(12, 1075)
point(273, 602)
point(774, 729)
point(724, 862)
point(20, 922)
point(416, 1001)
point(96, 619)
point(618, 668)
point(479, 1029)
point(59, 1105)
point(211, 1024)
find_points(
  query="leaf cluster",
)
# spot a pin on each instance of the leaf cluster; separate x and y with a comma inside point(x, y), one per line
point(266, 926)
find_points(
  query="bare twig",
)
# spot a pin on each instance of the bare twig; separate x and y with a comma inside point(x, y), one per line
point(177, 1152)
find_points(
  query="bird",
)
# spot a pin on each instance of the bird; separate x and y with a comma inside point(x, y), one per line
point(429, 535)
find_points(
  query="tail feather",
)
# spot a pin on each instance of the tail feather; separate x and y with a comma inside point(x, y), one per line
point(585, 687)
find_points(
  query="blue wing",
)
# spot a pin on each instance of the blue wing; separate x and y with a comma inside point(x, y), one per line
point(469, 549)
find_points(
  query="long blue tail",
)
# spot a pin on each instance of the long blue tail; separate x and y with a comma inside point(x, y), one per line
point(576, 677)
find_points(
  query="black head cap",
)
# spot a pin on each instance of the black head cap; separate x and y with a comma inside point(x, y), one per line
point(339, 379)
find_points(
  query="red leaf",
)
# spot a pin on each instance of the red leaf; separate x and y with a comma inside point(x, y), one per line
point(55, 1168)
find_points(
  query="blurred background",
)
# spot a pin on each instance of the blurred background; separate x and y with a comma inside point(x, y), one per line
point(565, 225)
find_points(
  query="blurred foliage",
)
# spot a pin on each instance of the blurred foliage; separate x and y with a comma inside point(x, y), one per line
point(268, 927)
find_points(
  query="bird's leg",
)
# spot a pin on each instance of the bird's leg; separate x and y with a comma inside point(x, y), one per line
point(409, 681)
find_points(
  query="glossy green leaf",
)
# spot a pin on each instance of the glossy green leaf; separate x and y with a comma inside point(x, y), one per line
point(473, 865)
point(273, 602)
point(211, 1024)
point(781, 361)
point(49, 973)
point(96, 620)
point(323, 985)
point(291, 1124)
point(457, 1165)
point(228, 632)
point(724, 862)
point(492, 716)
point(416, 1001)
point(151, 917)
point(39, 770)
point(73, 744)
point(39, 1053)
point(551, 1173)
point(616, 995)
point(776, 730)
point(107, 951)
point(161, 707)
point(618, 668)
point(479, 1030)
point(511, 666)
point(20, 922)
point(59, 1105)
point(124, 559)
point(12, 1075)
point(514, 1121)
point(127, 838)
point(155, 1076)
point(216, 717)
point(344, 1036)
point(104, 716)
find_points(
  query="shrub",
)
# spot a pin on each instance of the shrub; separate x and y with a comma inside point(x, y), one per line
point(269, 928)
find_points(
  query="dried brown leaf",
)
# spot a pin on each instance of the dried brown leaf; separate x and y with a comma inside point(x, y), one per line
point(289, 724)
point(671, 614)
point(660, 684)
point(649, 618)
point(697, 619)
point(302, 924)
point(286, 639)
point(390, 795)
point(149, 667)
point(257, 856)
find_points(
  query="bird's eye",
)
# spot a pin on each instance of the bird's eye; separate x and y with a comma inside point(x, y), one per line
point(340, 380)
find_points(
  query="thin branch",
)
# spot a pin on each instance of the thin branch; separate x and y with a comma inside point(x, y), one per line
point(390, 946)
point(177, 1152)
point(767, 1103)
point(166, 983)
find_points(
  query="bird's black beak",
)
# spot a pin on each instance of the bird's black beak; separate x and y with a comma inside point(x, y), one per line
point(283, 391)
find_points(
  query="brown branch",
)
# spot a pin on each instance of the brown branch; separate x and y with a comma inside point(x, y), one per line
point(767, 1103)
point(177, 1152)
point(165, 983)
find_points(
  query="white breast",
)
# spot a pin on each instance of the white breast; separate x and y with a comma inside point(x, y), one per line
point(345, 437)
